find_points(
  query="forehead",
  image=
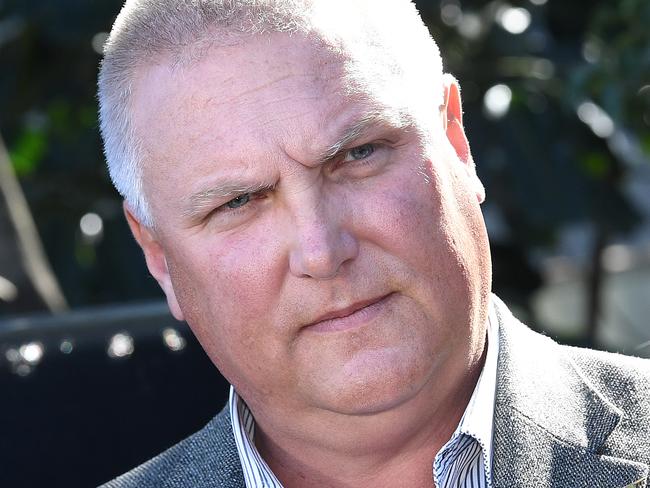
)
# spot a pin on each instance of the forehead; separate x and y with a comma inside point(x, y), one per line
point(271, 92)
point(257, 87)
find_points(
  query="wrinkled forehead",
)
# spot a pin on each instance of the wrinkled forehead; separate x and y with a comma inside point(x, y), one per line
point(249, 69)
point(361, 64)
point(273, 90)
point(248, 73)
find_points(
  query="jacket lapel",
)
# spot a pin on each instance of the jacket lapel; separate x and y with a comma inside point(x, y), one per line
point(550, 424)
point(215, 455)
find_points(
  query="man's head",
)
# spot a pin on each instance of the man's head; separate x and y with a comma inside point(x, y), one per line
point(303, 191)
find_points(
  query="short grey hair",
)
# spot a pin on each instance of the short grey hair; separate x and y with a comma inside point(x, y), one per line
point(148, 31)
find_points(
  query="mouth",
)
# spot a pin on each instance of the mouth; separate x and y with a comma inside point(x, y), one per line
point(351, 317)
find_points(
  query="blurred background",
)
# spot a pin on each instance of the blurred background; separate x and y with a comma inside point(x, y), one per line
point(97, 377)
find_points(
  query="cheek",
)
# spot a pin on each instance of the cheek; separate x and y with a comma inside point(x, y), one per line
point(405, 217)
point(224, 289)
point(223, 283)
point(431, 227)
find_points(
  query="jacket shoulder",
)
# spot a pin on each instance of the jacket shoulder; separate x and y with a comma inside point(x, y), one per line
point(207, 458)
point(625, 382)
point(623, 379)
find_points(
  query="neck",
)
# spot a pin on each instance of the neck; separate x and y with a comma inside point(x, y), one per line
point(392, 448)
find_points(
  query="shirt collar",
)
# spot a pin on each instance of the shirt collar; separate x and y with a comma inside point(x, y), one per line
point(257, 473)
point(478, 419)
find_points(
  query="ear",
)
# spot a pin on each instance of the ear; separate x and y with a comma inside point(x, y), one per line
point(154, 255)
point(452, 113)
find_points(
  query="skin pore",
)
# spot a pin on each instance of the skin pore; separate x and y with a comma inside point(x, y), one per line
point(283, 207)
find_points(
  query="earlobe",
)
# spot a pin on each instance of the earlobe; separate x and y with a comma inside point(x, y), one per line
point(455, 131)
point(154, 255)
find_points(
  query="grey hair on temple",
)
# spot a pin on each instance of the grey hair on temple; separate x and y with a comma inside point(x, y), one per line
point(386, 39)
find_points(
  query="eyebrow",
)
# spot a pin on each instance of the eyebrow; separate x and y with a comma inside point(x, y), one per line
point(370, 120)
point(204, 199)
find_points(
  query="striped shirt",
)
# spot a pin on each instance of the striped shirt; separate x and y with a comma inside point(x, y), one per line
point(465, 461)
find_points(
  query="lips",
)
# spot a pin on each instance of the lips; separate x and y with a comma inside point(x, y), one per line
point(351, 316)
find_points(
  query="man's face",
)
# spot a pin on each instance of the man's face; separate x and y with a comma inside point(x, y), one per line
point(349, 281)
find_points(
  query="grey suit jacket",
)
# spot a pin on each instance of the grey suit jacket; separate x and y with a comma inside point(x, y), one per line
point(564, 417)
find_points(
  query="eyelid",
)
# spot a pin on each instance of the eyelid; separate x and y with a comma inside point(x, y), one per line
point(376, 145)
point(224, 205)
point(254, 195)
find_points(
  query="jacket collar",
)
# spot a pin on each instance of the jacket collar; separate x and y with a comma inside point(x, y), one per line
point(550, 423)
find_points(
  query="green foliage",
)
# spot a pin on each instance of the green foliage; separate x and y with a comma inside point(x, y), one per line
point(617, 72)
point(28, 151)
point(596, 164)
point(48, 118)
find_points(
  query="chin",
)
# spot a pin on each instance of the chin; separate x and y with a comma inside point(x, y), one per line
point(375, 382)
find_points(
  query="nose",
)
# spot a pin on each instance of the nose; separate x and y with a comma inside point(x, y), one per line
point(321, 244)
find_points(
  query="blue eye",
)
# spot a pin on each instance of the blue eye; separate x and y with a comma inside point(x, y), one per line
point(361, 152)
point(239, 201)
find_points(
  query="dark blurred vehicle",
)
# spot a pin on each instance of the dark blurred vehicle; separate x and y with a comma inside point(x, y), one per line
point(90, 394)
